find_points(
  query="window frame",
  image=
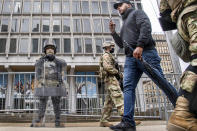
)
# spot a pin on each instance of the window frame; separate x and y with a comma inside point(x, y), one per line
point(46, 18)
point(70, 22)
point(18, 25)
point(82, 48)
point(84, 42)
point(102, 40)
point(31, 45)
point(94, 18)
point(19, 45)
point(8, 24)
point(63, 45)
point(42, 7)
point(13, 37)
point(60, 24)
point(80, 23)
point(29, 24)
point(2, 37)
point(60, 7)
point(60, 46)
point(10, 7)
point(39, 19)
point(99, 8)
point(84, 23)
point(31, 7)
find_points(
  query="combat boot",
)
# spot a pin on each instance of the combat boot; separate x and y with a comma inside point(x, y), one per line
point(105, 124)
point(181, 119)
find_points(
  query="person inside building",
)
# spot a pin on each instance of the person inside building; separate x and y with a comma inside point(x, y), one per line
point(183, 15)
point(50, 82)
point(136, 34)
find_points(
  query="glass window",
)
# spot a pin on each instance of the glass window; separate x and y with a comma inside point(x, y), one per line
point(76, 9)
point(4, 25)
point(106, 25)
point(104, 7)
point(117, 22)
point(0, 5)
point(45, 25)
point(67, 45)
point(95, 7)
point(97, 26)
point(15, 25)
point(56, 7)
point(57, 42)
point(7, 6)
point(66, 7)
point(113, 11)
point(24, 45)
point(46, 7)
point(56, 25)
point(78, 45)
point(99, 48)
point(17, 7)
point(77, 25)
point(88, 45)
point(34, 45)
point(26, 6)
point(36, 25)
point(2, 45)
point(66, 27)
point(85, 7)
point(13, 45)
point(25, 25)
point(86, 25)
point(36, 7)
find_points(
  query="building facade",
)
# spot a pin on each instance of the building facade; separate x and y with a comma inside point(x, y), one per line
point(78, 27)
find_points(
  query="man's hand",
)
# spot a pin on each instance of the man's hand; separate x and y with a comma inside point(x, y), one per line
point(138, 53)
point(112, 26)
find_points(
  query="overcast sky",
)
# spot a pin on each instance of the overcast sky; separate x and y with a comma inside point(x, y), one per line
point(152, 10)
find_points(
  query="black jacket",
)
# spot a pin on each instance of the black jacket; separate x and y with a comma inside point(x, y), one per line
point(136, 31)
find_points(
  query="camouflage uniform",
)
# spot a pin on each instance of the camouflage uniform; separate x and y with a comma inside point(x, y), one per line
point(184, 14)
point(114, 94)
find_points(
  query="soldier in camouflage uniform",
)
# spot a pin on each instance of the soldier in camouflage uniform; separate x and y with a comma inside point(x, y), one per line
point(184, 14)
point(50, 81)
point(114, 94)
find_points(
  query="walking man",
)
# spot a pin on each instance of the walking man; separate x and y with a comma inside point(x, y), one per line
point(136, 33)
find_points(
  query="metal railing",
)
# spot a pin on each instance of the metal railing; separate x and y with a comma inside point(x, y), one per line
point(85, 96)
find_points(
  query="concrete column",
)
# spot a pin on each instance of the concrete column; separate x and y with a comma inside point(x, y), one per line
point(9, 101)
point(72, 92)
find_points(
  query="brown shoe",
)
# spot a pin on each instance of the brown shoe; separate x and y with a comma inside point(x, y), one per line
point(181, 119)
point(105, 124)
point(137, 123)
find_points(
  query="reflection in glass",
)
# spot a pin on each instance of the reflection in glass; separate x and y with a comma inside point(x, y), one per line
point(25, 25)
point(97, 26)
point(12, 45)
point(45, 25)
point(36, 25)
point(24, 42)
point(2, 45)
point(78, 45)
point(85, 7)
point(66, 26)
point(15, 25)
point(56, 25)
point(67, 45)
point(4, 25)
point(66, 7)
point(34, 45)
point(77, 25)
point(99, 48)
point(46, 7)
point(56, 7)
point(86, 25)
point(106, 25)
point(57, 42)
point(88, 45)
point(95, 7)
point(7, 6)
point(76, 8)
point(17, 7)
point(36, 7)
point(104, 7)
point(26, 6)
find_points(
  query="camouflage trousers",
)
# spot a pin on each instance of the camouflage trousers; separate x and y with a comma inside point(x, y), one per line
point(114, 96)
point(189, 22)
point(56, 107)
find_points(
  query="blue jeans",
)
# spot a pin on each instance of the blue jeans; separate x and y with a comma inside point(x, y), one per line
point(133, 70)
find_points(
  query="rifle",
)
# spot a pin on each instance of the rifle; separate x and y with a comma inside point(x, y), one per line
point(118, 77)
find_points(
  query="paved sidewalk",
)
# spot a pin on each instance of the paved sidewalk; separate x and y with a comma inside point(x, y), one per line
point(91, 126)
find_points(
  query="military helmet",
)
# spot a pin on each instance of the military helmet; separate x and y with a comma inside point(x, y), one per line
point(119, 2)
point(108, 44)
point(48, 44)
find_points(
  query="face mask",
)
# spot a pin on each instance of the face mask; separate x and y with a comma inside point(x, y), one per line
point(112, 50)
point(50, 57)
